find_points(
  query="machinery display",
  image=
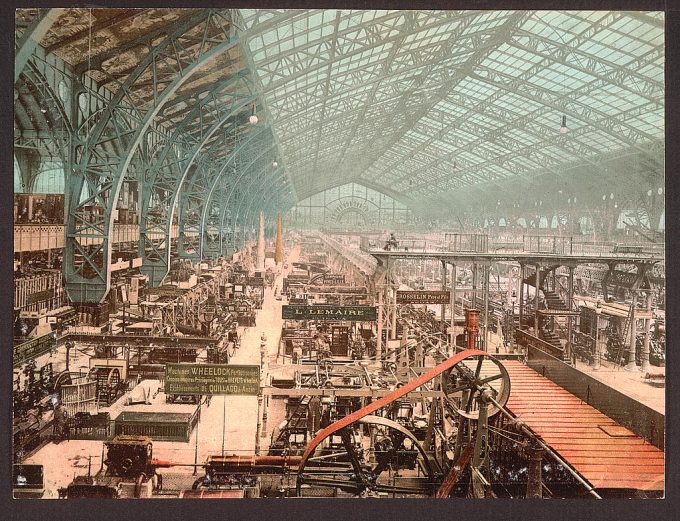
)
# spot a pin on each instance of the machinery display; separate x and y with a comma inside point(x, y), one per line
point(348, 253)
point(409, 400)
point(129, 465)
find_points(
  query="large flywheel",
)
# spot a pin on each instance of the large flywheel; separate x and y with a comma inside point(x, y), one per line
point(365, 454)
point(372, 456)
point(473, 376)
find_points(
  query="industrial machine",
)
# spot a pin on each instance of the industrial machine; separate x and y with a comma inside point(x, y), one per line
point(130, 472)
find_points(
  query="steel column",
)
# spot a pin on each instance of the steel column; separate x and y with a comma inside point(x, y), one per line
point(32, 37)
point(570, 319)
point(87, 273)
point(632, 365)
point(644, 357)
point(538, 285)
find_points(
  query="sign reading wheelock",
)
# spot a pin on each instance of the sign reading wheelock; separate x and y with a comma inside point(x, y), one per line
point(423, 297)
point(212, 379)
point(356, 313)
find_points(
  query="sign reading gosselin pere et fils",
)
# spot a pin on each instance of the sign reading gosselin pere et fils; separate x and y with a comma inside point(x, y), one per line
point(326, 312)
point(423, 297)
point(212, 379)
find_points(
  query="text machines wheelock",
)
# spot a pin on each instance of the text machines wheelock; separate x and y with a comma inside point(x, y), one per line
point(209, 379)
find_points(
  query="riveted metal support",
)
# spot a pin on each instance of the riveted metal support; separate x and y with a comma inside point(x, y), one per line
point(226, 208)
point(251, 212)
point(96, 179)
point(534, 453)
point(248, 195)
point(165, 182)
point(32, 36)
point(217, 197)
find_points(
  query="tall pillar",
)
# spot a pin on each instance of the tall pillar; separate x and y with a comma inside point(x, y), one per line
point(570, 319)
point(598, 339)
point(394, 312)
point(538, 285)
point(278, 253)
point(487, 273)
point(521, 294)
point(378, 341)
point(475, 279)
point(443, 308)
point(534, 476)
point(632, 366)
point(260, 244)
point(453, 304)
point(644, 359)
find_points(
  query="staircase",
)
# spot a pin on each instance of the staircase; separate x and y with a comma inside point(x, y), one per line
point(551, 338)
point(625, 338)
point(553, 301)
point(299, 416)
point(531, 279)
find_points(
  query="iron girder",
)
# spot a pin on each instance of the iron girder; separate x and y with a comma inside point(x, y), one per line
point(90, 218)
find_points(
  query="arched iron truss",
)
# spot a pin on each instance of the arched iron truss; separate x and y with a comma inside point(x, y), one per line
point(136, 135)
point(220, 188)
point(440, 110)
point(437, 104)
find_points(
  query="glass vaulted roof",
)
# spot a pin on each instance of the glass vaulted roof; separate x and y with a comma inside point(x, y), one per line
point(421, 104)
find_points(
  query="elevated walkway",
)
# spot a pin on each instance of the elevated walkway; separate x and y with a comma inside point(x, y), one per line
point(607, 454)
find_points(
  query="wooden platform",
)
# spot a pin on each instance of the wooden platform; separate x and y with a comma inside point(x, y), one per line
point(161, 420)
point(161, 426)
point(606, 454)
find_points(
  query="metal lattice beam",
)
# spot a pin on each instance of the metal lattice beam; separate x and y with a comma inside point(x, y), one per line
point(31, 37)
point(90, 213)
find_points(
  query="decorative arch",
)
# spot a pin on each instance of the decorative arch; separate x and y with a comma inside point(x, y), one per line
point(330, 207)
point(50, 179)
point(351, 216)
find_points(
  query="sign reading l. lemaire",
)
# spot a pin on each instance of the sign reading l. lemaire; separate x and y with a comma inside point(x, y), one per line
point(212, 379)
point(355, 313)
point(423, 297)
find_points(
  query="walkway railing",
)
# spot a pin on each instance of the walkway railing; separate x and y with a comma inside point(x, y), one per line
point(365, 263)
point(540, 243)
point(37, 237)
point(525, 339)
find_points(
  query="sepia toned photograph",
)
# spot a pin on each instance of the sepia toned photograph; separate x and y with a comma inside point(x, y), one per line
point(337, 253)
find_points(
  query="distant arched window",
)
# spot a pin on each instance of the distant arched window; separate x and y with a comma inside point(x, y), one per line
point(50, 179)
point(18, 182)
point(63, 91)
point(586, 224)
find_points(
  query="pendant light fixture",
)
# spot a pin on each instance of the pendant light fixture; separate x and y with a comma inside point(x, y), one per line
point(253, 117)
point(563, 128)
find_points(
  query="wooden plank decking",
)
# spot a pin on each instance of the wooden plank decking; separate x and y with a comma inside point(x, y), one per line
point(606, 454)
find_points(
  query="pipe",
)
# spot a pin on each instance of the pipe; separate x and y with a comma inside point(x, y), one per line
point(235, 463)
point(260, 245)
point(472, 326)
